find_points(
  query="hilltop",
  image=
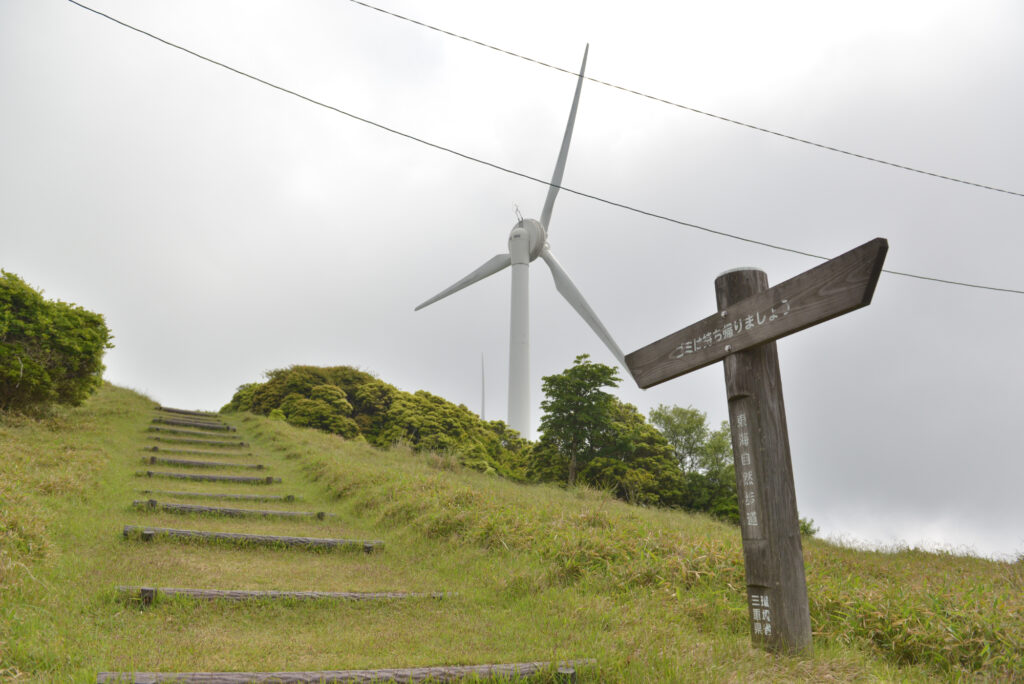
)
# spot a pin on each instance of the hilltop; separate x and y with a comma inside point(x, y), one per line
point(529, 572)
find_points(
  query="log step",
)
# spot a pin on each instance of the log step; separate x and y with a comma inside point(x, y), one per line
point(565, 673)
point(233, 512)
point(206, 420)
point(230, 497)
point(185, 412)
point(148, 533)
point(193, 452)
point(207, 442)
point(198, 424)
point(194, 417)
point(181, 432)
point(154, 460)
point(148, 594)
point(210, 478)
point(193, 423)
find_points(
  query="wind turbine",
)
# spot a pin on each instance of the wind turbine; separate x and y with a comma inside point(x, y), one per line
point(527, 241)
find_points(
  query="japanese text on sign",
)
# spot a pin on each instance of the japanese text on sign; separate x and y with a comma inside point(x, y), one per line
point(748, 497)
point(761, 614)
point(731, 330)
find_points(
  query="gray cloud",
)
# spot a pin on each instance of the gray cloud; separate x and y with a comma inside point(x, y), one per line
point(225, 228)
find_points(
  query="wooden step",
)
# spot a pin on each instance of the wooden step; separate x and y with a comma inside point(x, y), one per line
point(226, 497)
point(205, 419)
point(201, 425)
point(565, 672)
point(205, 442)
point(193, 452)
point(198, 420)
point(181, 432)
point(231, 512)
point(187, 412)
point(147, 594)
point(210, 478)
point(186, 463)
point(149, 533)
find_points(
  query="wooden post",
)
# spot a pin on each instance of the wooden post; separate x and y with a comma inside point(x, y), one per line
point(773, 555)
point(742, 333)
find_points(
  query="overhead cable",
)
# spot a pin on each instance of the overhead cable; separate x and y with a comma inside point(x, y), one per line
point(513, 172)
point(655, 98)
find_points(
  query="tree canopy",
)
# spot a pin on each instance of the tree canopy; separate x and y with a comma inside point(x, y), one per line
point(356, 405)
point(705, 458)
point(577, 414)
point(589, 436)
point(50, 351)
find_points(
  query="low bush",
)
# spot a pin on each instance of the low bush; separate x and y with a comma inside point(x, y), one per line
point(51, 352)
point(352, 403)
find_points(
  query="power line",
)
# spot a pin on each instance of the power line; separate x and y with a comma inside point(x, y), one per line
point(513, 172)
point(655, 98)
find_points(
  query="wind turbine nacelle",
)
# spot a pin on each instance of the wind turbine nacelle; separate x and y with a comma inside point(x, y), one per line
point(528, 233)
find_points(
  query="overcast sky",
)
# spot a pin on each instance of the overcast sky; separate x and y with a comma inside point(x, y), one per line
point(225, 228)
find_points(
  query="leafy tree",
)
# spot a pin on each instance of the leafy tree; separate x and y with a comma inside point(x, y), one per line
point(705, 458)
point(50, 351)
point(589, 436)
point(686, 431)
point(808, 528)
point(634, 461)
point(577, 414)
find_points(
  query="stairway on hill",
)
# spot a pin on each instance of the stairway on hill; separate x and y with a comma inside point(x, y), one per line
point(187, 442)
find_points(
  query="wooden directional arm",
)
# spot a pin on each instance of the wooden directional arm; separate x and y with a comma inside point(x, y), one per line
point(832, 289)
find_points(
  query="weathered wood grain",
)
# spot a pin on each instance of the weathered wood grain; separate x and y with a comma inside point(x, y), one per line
point(148, 594)
point(199, 424)
point(565, 672)
point(225, 497)
point(210, 478)
point(187, 463)
point(204, 442)
point(773, 557)
point(148, 533)
point(229, 512)
point(832, 289)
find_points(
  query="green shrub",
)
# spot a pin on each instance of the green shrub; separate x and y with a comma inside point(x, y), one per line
point(50, 351)
point(354, 404)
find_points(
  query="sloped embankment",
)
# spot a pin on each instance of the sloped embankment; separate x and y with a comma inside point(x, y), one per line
point(524, 572)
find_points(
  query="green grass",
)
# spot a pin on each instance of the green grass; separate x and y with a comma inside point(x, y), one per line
point(537, 573)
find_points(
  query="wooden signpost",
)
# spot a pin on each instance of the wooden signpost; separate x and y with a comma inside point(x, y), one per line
point(751, 316)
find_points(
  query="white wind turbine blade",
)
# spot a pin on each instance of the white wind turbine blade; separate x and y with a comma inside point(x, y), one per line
point(556, 179)
point(493, 265)
point(568, 290)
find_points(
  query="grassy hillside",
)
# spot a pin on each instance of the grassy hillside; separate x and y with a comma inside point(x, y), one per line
point(534, 572)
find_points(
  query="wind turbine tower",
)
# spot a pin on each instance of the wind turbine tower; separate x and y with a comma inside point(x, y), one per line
point(527, 241)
